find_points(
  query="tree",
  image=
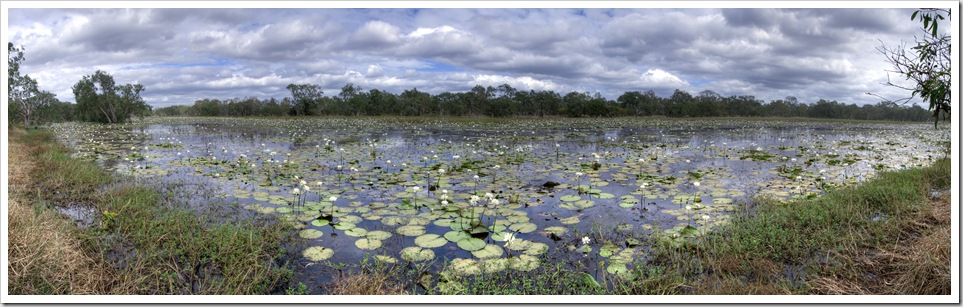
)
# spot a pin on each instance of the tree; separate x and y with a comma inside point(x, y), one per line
point(22, 91)
point(100, 99)
point(928, 65)
point(306, 98)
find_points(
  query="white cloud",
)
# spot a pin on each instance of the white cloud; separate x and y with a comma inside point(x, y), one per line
point(661, 79)
point(521, 83)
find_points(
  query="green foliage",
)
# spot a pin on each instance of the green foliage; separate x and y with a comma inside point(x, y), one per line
point(505, 101)
point(27, 102)
point(928, 66)
point(100, 99)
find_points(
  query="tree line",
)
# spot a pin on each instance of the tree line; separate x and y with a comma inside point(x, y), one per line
point(98, 98)
point(506, 101)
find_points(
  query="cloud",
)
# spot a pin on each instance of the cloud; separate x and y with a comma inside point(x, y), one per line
point(184, 54)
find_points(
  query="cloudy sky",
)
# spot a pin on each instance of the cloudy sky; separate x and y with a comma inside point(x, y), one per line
point(181, 55)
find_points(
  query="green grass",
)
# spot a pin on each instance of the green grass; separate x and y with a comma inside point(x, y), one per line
point(155, 244)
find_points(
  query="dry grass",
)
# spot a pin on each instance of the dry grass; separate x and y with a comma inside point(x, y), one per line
point(918, 264)
point(363, 283)
point(45, 256)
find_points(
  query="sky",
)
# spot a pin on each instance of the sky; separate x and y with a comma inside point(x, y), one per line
point(184, 54)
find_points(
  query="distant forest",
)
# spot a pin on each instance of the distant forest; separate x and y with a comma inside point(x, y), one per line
point(505, 101)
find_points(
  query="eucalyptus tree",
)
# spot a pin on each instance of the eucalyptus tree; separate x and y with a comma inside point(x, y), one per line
point(307, 98)
point(22, 91)
point(100, 99)
point(928, 65)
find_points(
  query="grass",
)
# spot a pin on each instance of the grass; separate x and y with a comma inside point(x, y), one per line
point(144, 243)
point(885, 236)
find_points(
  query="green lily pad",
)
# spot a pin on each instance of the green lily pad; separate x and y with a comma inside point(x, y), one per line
point(344, 226)
point(310, 234)
point(317, 253)
point(416, 254)
point(518, 244)
point(457, 235)
point(569, 220)
point(378, 235)
point(368, 244)
point(523, 227)
point(570, 198)
point(320, 223)
point(471, 244)
point(627, 205)
point(523, 263)
point(462, 266)
point(585, 248)
point(430, 241)
point(617, 268)
point(411, 230)
point(606, 195)
point(489, 251)
point(556, 230)
point(536, 248)
point(385, 259)
point(356, 232)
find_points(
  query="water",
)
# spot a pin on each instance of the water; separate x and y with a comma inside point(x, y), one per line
point(695, 172)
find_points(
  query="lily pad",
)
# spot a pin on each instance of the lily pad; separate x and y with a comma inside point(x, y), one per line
point(310, 234)
point(378, 235)
point(523, 263)
point(356, 232)
point(430, 241)
point(411, 230)
point(416, 254)
point(385, 259)
point(489, 251)
point(617, 268)
point(523, 227)
point(344, 226)
point(556, 230)
point(320, 223)
point(317, 253)
point(471, 244)
point(457, 235)
point(368, 244)
point(536, 248)
point(569, 220)
point(570, 198)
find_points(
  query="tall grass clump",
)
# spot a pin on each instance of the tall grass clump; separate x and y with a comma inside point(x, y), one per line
point(143, 243)
point(825, 245)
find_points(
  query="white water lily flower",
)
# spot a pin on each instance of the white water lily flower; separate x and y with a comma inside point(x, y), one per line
point(509, 238)
point(333, 198)
point(444, 191)
point(302, 182)
point(495, 202)
point(444, 202)
point(705, 217)
point(416, 189)
point(296, 191)
point(476, 176)
point(578, 174)
point(696, 183)
point(822, 171)
point(388, 162)
point(307, 188)
point(586, 240)
point(319, 183)
point(441, 171)
point(687, 161)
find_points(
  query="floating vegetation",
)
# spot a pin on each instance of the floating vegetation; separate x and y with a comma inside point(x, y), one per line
point(503, 191)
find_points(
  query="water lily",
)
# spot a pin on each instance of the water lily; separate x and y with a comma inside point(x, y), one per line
point(296, 191)
point(696, 184)
point(586, 240)
point(509, 238)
